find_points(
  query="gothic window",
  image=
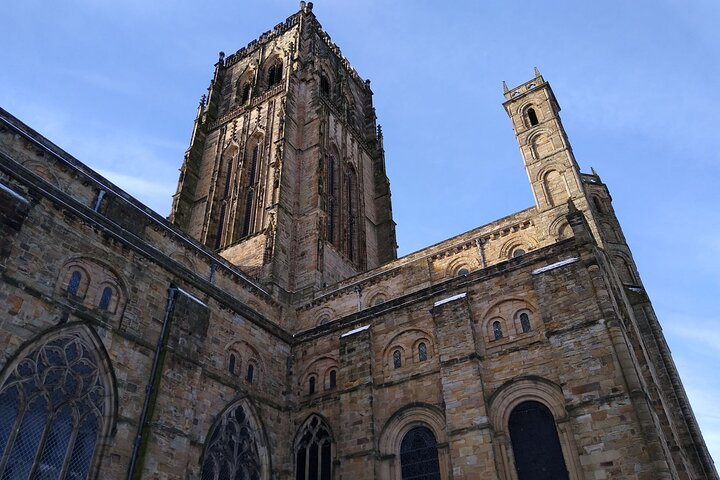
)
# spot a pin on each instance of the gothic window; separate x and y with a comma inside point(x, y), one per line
point(311, 384)
point(419, 455)
point(105, 298)
point(535, 443)
point(333, 197)
point(74, 283)
point(249, 377)
point(52, 408)
point(525, 322)
point(231, 364)
point(274, 75)
point(333, 379)
point(313, 453)
point(324, 86)
point(351, 216)
point(422, 352)
point(232, 448)
point(250, 180)
point(532, 117)
point(497, 330)
point(397, 359)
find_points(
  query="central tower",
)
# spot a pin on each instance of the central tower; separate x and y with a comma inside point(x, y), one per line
point(285, 173)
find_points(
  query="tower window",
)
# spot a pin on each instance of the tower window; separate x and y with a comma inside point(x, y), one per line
point(74, 283)
point(324, 86)
point(333, 379)
point(105, 298)
point(598, 205)
point(497, 330)
point(250, 373)
point(532, 117)
point(397, 359)
point(422, 352)
point(274, 74)
point(525, 322)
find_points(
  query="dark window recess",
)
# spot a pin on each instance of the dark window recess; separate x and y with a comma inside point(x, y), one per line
point(397, 359)
point(532, 116)
point(250, 373)
point(518, 252)
point(422, 352)
point(274, 74)
point(525, 322)
point(598, 205)
point(463, 272)
point(419, 455)
point(311, 385)
point(497, 330)
point(535, 443)
point(74, 283)
point(105, 298)
point(231, 364)
point(333, 378)
point(324, 86)
point(245, 92)
point(313, 453)
point(250, 191)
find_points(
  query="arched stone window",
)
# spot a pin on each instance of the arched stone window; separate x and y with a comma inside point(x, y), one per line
point(333, 201)
point(419, 455)
point(231, 364)
point(250, 376)
point(55, 407)
point(532, 117)
point(397, 359)
point(313, 451)
point(422, 352)
point(497, 330)
point(105, 298)
point(525, 322)
point(234, 449)
point(535, 442)
point(74, 282)
point(324, 86)
point(244, 92)
point(311, 384)
point(249, 181)
point(274, 74)
point(332, 382)
point(352, 227)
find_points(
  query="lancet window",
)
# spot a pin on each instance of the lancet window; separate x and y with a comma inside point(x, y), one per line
point(232, 448)
point(313, 452)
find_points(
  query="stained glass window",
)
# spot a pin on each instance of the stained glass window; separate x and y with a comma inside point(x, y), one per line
point(497, 330)
point(231, 452)
point(419, 455)
point(313, 453)
point(74, 283)
point(525, 322)
point(535, 443)
point(397, 359)
point(105, 298)
point(51, 411)
point(422, 352)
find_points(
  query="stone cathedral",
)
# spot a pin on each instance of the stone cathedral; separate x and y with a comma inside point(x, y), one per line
point(267, 330)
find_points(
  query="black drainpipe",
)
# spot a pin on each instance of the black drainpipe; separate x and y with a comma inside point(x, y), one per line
point(151, 391)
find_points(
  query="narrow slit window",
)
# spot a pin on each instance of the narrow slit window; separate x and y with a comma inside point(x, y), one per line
point(311, 386)
point(105, 298)
point(333, 379)
point(497, 330)
point(231, 364)
point(245, 92)
point(422, 352)
point(397, 359)
point(250, 376)
point(525, 322)
point(324, 86)
point(532, 117)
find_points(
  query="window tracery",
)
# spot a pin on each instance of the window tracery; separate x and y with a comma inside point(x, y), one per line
point(52, 408)
point(313, 452)
point(232, 448)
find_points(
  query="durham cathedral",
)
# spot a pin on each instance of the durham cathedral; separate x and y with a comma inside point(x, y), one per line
point(267, 329)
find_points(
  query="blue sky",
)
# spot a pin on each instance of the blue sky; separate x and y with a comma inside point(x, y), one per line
point(117, 85)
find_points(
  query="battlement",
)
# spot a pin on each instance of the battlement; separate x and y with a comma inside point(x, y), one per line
point(520, 90)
